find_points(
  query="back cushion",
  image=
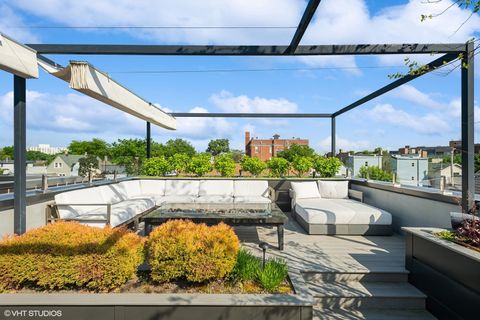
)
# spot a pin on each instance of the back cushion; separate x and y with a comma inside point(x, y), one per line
point(216, 188)
point(130, 188)
point(181, 188)
point(305, 189)
point(112, 193)
point(245, 188)
point(155, 187)
point(82, 196)
point(333, 189)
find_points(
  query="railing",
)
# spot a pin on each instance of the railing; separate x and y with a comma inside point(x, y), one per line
point(41, 183)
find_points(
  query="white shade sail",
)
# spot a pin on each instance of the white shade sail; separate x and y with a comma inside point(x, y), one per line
point(84, 78)
point(17, 58)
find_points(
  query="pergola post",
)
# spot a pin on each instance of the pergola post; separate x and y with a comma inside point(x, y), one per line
point(149, 141)
point(333, 138)
point(19, 144)
point(468, 142)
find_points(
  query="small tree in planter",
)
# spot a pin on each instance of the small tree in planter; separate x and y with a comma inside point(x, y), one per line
point(225, 164)
point(302, 165)
point(200, 164)
point(327, 167)
point(375, 173)
point(278, 166)
point(157, 166)
point(253, 165)
point(179, 162)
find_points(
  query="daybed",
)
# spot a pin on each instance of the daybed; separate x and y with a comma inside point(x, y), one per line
point(126, 202)
point(329, 207)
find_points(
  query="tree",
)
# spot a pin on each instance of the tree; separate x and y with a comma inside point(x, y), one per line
point(327, 167)
point(157, 166)
point(237, 155)
point(225, 165)
point(375, 173)
point(302, 165)
point(218, 146)
point(6, 153)
point(88, 165)
point(296, 150)
point(253, 165)
point(129, 153)
point(38, 155)
point(278, 166)
point(96, 147)
point(200, 164)
point(174, 146)
point(180, 162)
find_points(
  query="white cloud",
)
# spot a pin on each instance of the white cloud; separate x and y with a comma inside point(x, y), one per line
point(425, 124)
point(242, 103)
point(11, 24)
point(410, 93)
point(344, 144)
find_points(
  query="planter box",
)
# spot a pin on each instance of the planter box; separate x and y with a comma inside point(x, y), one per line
point(145, 306)
point(448, 273)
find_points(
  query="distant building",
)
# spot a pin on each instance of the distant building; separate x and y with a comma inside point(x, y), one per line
point(453, 175)
point(46, 148)
point(457, 145)
point(64, 165)
point(424, 152)
point(265, 149)
point(410, 169)
point(355, 162)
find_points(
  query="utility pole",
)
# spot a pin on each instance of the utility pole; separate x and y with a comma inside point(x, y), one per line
point(452, 182)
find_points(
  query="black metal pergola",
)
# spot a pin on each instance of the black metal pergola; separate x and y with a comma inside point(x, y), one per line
point(450, 52)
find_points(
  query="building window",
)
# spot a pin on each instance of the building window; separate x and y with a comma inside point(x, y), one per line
point(366, 163)
point(413, 164)
point(256, 149)
point(413, 178)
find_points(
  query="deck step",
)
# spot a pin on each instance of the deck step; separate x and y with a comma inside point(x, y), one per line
point(371, 314)
point(374, 276)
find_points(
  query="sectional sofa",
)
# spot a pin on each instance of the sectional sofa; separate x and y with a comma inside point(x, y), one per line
point(329, 207)
point(127, 201)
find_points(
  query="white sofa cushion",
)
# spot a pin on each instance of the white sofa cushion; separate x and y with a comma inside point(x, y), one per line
point(251, 199)
point(112, 193)
point(216, 188)
point(82, 196)
point(153, 187)
point(181, 188)
point(126, 210)
point(246, 188)
point(333, 189)
point(214, 199)
point(175, 199)
point(305, 189)
point(131, 188)
point(340, 211)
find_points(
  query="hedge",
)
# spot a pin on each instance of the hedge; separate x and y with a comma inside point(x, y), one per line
point(181, 249)
point(68, 255)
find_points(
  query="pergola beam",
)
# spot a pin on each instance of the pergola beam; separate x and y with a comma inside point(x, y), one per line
point(302, 26)
point(249, 115)
point(397, 83)
point(213, 50)
point(20, 160)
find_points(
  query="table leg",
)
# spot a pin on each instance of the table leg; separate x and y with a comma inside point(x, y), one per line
point(280, 234)
point(148, 228)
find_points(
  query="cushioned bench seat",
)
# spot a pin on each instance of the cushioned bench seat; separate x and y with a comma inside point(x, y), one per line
point(330, 211)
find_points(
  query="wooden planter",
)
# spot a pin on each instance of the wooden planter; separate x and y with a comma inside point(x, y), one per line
point(448, 273)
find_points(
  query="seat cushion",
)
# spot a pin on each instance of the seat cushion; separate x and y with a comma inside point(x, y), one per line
point(181, 188)
point(128, 209)
point(153, 187)
point(130, 188)
point(246, 188)
point(214, 199)
point(251, 199)
point(340, 211)
point(216, 188)
point(81, 196)
point(305, 190)
point(333, 189)
point(176, 199)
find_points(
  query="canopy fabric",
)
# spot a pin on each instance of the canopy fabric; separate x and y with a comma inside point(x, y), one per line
point(17, 58)
point(84, 78)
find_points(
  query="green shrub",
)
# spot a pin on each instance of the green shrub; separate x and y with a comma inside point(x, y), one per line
point(278, 166)
point(200, 164)
point(225, 165)
point(179, 162)
point(327, 167)
point(182, 249)
point(273, 274)
point(447, 235)
point(68, 255)
point(375, 173)
point(302, 165)
point(157, 166)
point(253, 165)
point(246, 267)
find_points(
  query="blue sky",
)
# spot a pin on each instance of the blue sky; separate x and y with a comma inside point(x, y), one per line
point(425, 112)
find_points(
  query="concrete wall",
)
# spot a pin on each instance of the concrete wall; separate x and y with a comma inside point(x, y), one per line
point(35, 218)
point(408, 210)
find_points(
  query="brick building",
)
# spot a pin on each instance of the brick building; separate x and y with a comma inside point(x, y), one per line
point(264, 149)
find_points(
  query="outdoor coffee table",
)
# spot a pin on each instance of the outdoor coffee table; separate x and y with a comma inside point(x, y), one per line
point(211, 214)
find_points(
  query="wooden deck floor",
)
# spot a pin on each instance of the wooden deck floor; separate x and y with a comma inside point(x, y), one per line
point(316, 253)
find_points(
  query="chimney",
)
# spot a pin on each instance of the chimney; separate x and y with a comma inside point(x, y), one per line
point(276, 136)
point(247, 137)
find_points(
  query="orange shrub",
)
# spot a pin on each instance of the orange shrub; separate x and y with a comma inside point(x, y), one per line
point(68, 255)
point(196, 252)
